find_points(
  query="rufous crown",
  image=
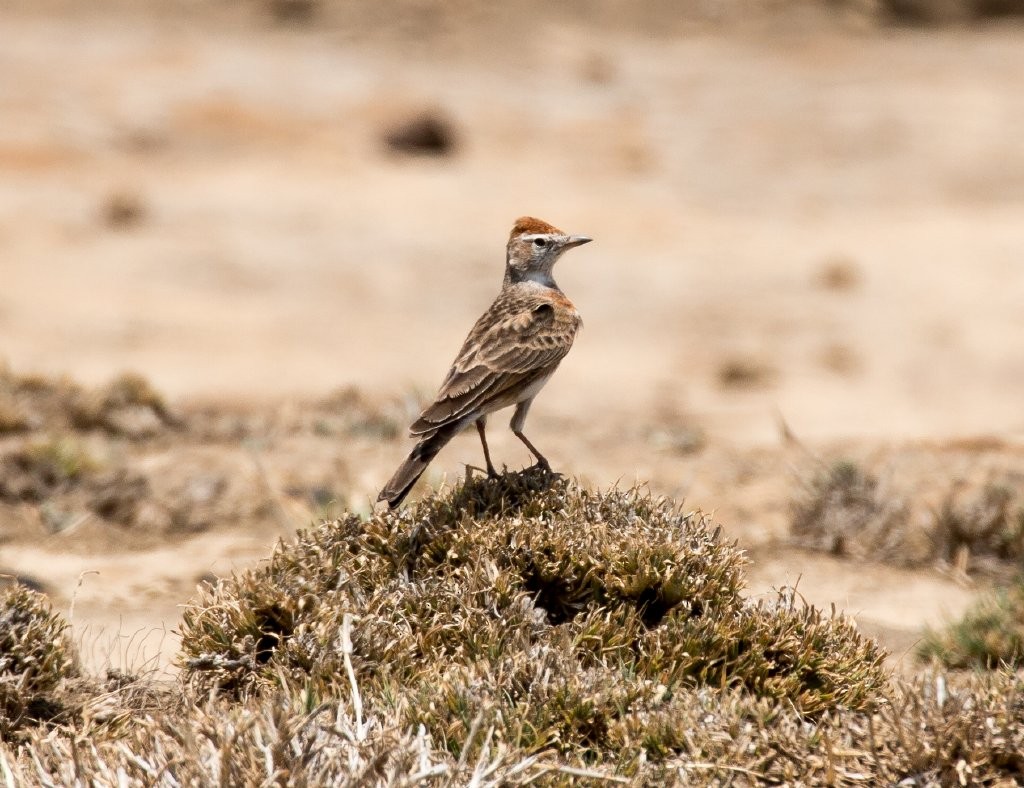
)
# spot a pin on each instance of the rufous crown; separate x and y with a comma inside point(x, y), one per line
point(527, 225)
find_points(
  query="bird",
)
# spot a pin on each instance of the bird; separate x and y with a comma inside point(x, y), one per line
point(508, 356)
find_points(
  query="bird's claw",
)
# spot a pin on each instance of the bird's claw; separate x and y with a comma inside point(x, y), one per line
point(491, 473)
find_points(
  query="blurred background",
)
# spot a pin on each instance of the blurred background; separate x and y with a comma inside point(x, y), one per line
point(811, 208)
point(808, 222)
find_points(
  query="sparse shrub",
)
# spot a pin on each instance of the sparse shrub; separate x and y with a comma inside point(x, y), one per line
point(938, 730)
point(35, 658)
point(990, 634)
point(36, 471)
point(128, 406)
point(348, 411)
point(549, 613)
point(123, 497)
point(12, 415)
point(985, 525)
point(846, 511)
point(64, 457)
point(31, 401)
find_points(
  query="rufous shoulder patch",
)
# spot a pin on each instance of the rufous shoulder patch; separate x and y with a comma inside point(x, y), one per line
point(526, 225)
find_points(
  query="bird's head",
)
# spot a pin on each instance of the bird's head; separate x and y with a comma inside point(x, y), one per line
point(533, 248)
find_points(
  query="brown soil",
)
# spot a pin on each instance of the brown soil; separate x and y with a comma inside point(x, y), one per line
point(807, 247)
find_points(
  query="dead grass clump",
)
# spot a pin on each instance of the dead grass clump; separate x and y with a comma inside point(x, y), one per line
point(128, 406)
point(36, 657)
point(549, 614)
point(846, 511)
point(285, 738)
point(37, 470)
point(30, 401)
point(925, 732)
point(990, 634)
point(12, 416)
point(973, 528)
point(977, 528)
point(348, 411)
point(932, 731)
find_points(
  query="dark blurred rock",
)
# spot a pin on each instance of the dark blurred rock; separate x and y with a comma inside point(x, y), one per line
point(745, 373)
point(123, 210)
point(839, 273)
point(293, 11)
point(597, 68)
point(935, 12)
point(840, 359)
point(144, 140)
point(428, 133)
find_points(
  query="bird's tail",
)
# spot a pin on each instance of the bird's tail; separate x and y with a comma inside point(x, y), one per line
point(409, 472)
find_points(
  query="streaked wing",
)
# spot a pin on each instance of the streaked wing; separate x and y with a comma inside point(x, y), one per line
point(518, 341)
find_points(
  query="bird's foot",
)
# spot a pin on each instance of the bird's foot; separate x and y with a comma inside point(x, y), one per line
point(489, 470)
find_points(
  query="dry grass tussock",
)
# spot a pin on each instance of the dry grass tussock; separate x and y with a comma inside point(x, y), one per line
point(117, 458)
point(513, 631)
point(36, 658)
point(848, 511)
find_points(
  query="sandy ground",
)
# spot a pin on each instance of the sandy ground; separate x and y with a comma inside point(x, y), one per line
point(807, 224)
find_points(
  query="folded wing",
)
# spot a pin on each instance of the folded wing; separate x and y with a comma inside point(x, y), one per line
point(514, 344)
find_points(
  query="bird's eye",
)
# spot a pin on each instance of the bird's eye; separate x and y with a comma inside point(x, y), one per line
point(540, 242)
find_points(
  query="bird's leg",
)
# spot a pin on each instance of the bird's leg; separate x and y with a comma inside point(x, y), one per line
point(480, 424)
point(517, 423)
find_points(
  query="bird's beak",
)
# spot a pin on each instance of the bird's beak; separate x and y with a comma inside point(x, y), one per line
point(575, 240)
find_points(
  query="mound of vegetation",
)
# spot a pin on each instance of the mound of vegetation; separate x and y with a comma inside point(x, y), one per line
point(36, 658)
point(559, 617)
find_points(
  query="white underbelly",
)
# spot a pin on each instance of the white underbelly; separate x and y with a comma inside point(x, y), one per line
point(531, 391)
point(515, 397)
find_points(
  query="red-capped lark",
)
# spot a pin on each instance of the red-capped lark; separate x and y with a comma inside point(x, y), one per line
point(507, 358)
